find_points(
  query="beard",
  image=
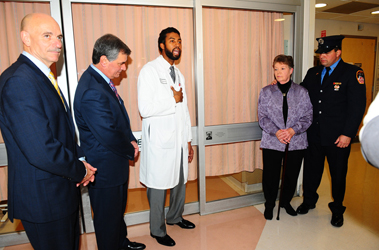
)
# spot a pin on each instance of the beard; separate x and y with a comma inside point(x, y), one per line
point(170, 55)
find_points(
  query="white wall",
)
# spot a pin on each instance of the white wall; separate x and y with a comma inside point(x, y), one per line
point(333, 27)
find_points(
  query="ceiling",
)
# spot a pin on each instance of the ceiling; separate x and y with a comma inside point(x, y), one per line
point(349, 10)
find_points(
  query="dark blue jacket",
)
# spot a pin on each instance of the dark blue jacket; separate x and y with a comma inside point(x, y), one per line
point(104, 128)
point(43, 165)
point(338, 104)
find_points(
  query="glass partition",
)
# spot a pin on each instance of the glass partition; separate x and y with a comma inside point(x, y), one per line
point(237, 64)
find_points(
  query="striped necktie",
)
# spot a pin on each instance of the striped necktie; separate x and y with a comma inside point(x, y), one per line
point(55, 84)
point(114, 90)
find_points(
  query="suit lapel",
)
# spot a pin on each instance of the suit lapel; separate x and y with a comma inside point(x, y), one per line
point(103, 83)
point(46, 83)
point(108, 89)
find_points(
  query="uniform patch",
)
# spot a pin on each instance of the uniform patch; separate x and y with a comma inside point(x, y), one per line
point(360, 77)
point(163, 81)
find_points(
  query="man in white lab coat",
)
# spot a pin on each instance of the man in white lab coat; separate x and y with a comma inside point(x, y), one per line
point(166, 136)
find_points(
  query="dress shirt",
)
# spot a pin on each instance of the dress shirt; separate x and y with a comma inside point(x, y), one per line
point(331, 69)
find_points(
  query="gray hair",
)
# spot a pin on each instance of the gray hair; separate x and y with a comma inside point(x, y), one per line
point(110, 46)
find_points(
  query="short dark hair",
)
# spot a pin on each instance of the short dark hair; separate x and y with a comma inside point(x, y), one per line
point(110, 46)
point(163, 34)
point(287, 60)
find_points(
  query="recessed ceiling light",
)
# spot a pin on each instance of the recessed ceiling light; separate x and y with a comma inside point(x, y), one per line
point(320, 5)
point(375, 12)
point(279, 19)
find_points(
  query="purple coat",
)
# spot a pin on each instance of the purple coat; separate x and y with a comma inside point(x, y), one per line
point(270, 115)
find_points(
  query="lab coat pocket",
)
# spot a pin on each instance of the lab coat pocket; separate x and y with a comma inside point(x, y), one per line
point(162, 134)
point(163, 138)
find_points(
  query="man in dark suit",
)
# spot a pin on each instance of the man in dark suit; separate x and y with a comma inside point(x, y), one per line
point(338, 95)
point(38, 130)
point(108, 141)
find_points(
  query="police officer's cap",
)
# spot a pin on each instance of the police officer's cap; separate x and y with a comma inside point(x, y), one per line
point(326, 44)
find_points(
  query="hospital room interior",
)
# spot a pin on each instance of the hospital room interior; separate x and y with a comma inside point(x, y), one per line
point(228, 47)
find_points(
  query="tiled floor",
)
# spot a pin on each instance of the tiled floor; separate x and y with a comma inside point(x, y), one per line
point(246, 228)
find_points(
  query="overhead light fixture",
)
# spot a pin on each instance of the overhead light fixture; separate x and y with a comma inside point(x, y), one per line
point(375, 12)
point(279, 19)
point(320, 5)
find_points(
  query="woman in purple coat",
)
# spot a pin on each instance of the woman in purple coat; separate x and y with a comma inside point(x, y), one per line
point(284, 113)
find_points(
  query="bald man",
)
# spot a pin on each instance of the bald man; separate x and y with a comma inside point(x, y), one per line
point(38, 130)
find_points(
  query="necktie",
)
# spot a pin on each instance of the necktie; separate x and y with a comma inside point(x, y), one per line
point(55, 84)
point(172, 73)
point(326, 76)
point(114, 90)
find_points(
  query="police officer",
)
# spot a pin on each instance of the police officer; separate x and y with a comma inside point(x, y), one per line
point(338, 95)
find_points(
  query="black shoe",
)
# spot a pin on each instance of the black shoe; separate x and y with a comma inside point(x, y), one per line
point(304, 208)
point(268, 213)
point(337, 220)
point(289, 209)
point(183, 224)
point(165, 240)
point(135, 246)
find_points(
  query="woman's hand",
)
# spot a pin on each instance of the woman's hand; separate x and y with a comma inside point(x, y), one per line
point(285, 135)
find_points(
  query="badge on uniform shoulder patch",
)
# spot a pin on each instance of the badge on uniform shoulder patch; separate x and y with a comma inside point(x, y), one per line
point(360, 77)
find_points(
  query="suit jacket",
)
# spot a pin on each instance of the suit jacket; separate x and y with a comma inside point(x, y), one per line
point(104, 128)
point(40, 139)
point(338, 104)
point(270, 115)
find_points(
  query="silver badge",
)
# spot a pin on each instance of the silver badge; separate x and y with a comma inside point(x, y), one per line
point(321, 41)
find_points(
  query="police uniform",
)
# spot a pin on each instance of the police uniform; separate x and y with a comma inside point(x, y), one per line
point(338, 107)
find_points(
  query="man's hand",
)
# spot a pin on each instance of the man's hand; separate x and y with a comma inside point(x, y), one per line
point(178, 95)
point(190, 152)
point(273, 82)
point(343, 141)
point(90, 176)
point(136, 149)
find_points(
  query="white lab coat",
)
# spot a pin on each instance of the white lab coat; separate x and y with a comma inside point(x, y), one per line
point(166, 126)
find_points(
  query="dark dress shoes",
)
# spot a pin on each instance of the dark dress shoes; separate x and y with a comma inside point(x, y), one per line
point(135, 246)
point(289, 209)
point(304, 208)
point(165, 240)
point(337, 220)
point(183, 224)
point(268, 213)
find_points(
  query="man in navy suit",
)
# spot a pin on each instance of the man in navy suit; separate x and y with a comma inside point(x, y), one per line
point(38, 130)
point(107, 140)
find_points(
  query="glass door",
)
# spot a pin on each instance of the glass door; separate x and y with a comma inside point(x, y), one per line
point(239, 43)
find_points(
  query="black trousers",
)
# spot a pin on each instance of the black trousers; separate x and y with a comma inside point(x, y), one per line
point(62, 234)
point(314, 167)
point(272, 164)
point(108, 205)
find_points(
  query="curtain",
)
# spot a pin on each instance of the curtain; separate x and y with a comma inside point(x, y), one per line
point(238, 57)
point(139, 28)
